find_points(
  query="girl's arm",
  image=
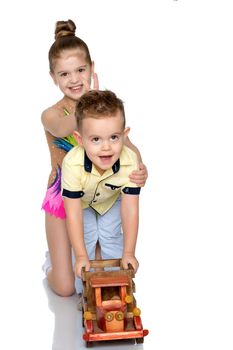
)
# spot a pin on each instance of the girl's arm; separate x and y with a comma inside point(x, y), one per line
point(129, 144)
point(138, 176)
point(129, 219)
point(54, 121)
point(74, 222)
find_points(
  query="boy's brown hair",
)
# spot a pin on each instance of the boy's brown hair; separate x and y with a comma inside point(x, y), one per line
point(98, 104)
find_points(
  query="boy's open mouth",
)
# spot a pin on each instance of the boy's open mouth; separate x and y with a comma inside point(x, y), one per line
point(106, 158)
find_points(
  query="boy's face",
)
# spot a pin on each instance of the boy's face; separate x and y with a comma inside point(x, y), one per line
point(71, 73)
point(102, 139)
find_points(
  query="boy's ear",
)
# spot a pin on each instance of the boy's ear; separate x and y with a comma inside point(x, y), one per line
point(53, 77)
point(126, 132)
point(78, 137)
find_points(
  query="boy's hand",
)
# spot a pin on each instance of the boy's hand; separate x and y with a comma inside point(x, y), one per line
point(140, 176)
point(80, 263)
point(130, 259)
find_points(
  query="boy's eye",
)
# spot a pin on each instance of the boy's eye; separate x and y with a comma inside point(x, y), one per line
point(64, 74)
point(114, 138)
point(81, 70)
point(95, 139)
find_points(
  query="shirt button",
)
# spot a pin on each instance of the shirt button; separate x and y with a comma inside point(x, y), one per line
point(97, 194)
point(94, 201)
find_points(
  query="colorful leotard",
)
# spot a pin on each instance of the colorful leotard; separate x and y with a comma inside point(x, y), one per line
point(58, 147)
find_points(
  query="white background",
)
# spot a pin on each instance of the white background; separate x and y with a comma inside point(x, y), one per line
point(171, 62)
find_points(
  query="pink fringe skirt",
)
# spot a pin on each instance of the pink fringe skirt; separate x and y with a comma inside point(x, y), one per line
point(53, 203)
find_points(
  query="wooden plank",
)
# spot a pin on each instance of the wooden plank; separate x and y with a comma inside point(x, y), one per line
point(110, 281)
point(114, 335)
point(98, 298)
point(105, 263)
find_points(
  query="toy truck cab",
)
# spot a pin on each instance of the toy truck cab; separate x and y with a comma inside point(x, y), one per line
point(109, 306)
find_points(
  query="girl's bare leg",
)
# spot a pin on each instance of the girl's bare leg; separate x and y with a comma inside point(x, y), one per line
point(60, 276)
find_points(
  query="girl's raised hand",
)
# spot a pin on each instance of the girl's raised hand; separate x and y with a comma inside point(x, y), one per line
point(95, 82)
point(87, 85)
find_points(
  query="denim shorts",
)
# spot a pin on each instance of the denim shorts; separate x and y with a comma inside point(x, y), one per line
point(103, 228)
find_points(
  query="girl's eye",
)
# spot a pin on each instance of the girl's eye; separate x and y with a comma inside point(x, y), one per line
point(81, 70)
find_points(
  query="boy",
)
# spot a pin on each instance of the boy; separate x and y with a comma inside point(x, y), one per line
point(94, 177)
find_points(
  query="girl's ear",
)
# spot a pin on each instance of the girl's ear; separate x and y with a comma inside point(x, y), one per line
point(78, 137)
point(126, 132)
point(53, 77)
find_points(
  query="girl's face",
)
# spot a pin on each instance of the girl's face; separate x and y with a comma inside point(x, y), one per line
point(72, 73)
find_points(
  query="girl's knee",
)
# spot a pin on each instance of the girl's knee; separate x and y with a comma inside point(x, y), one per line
point(65, 291)
point(62, 285)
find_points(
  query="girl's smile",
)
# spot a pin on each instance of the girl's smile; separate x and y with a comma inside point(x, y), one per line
point(70, 73)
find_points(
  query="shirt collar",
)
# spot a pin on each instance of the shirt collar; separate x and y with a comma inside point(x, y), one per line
point(88, 164)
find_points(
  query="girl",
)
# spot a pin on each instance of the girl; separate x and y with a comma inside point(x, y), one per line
point(71, 69)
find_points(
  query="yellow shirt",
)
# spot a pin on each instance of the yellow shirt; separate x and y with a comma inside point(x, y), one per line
point(80, 179)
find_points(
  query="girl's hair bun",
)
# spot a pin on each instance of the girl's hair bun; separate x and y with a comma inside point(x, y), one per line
point(65, 28)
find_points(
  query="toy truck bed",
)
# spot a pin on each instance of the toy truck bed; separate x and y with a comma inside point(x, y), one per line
point(108, 303)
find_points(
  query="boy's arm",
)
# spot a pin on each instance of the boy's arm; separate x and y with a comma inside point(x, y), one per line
point(138, 176)
point(74, 222)
point(130, 219)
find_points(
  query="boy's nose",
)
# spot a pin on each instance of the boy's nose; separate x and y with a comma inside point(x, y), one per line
point(105, 145)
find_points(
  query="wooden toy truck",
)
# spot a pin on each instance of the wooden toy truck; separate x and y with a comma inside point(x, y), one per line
point(108, 304)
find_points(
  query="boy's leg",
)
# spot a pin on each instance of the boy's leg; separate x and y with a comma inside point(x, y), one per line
point(110, 232)
point(60, 275)
point(90, 237)
point(90, 231)
point(98, 252)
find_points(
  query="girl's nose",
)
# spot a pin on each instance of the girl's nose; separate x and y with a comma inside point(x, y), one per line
point(75, 77)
